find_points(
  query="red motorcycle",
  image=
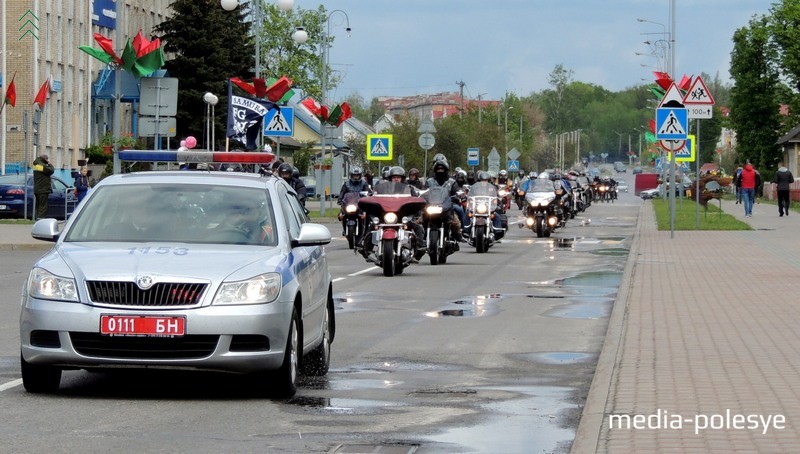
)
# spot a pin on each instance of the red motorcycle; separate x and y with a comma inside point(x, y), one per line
point(392, 242)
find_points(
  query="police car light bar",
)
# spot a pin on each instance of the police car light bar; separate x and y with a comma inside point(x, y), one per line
point(239, 157)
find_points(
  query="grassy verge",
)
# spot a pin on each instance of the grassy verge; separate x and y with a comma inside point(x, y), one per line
point(16, 221)
point(686, 216)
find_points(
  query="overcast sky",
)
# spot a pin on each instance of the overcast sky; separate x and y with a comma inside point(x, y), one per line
point(407, 47)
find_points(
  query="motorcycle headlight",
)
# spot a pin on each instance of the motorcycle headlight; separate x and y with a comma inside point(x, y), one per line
point(45, 285)
point(434, 209)
point(482, 208)
point(533, 202)
point(261, 289)
point(502, 193)
point(351, 208)
point(390, 218)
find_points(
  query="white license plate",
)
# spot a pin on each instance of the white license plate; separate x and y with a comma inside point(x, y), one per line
point(3, 207)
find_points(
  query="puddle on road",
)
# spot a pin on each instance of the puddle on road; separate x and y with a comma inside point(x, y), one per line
point(530, 423)
point(581, 310)
point(475, 306)
point(558, 357)
point(614, 251)
point(341, 406)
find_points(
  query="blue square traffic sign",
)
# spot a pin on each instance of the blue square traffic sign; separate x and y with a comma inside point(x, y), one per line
point(672, 123)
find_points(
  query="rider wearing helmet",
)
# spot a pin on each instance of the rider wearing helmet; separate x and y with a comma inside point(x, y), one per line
point(286, 172)
point(355, 184)
point(502, 180)
point(413, 179)
point(441, 178)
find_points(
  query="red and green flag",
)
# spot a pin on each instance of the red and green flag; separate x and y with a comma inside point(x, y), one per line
point(11, 93)
point(141, 57)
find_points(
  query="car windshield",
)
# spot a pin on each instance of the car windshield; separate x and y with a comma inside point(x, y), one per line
point(12, 179)
point(184, 213)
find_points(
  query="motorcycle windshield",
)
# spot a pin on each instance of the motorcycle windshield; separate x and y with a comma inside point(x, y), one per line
point(438, 196)
point(391, 187)
point(541, 185)
point(483, 188)
point(350, 198)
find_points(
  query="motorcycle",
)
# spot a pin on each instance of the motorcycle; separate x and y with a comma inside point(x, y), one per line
point(392, 241)
point(436, 219)
point(353, 217)
point(482, 206)
point(541, 214)
point(504, 194)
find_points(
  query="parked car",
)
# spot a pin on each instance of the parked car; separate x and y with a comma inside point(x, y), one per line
point(216, 271)
point(622, 185)
point(651, 193)
point(12, 194)
point(636, 170)
point(311, 186)
point(620, 167)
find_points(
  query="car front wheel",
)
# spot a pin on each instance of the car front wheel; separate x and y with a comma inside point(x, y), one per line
point(286, 376)
point(39, 379)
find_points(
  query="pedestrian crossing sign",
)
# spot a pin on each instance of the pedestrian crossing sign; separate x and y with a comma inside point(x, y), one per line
point(687, 153)
point(379, 147)
point(672, 123)
point(279, 123)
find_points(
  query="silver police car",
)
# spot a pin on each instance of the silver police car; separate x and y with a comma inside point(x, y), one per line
point(214, 271)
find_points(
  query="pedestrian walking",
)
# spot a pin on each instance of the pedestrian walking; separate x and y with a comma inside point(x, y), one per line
point(42, 183)
point(737, 184)
point(82, 183)
point(748, 180)
point(783, 179)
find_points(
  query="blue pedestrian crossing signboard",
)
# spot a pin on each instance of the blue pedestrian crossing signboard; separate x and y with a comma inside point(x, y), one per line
point(379, 147)
point(279, 123)
point(672, 123)
point(513, 166)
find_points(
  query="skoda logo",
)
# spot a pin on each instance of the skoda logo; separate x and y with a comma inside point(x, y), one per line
point(144, 282)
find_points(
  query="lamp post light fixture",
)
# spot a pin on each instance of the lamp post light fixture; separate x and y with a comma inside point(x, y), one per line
point(300, 36)
point(211, 100)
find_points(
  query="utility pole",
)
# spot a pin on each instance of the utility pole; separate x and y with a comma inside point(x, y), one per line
point(480, 108)
point(461, 84)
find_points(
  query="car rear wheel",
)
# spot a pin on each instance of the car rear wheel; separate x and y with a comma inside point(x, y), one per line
point(39, 379)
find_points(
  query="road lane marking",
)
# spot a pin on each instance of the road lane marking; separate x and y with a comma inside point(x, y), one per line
point(11, 384)
point(372, 268)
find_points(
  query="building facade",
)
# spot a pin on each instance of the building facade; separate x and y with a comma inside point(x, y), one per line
point(46, 48)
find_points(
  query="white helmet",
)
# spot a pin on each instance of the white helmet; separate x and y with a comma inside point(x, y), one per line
point(544, 176)
point(533, 174)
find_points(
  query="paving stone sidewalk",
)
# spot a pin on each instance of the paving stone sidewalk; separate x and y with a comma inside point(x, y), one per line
point(706, 327)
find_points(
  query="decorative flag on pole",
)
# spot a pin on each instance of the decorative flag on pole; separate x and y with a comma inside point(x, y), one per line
point(11, 94)
point(272, 89)
point(686, 82)
point(337, 115)
point(141, 57)
point(245, 116)
point(41, 97)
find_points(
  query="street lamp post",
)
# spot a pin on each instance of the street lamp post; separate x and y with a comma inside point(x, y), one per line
point(300, 36)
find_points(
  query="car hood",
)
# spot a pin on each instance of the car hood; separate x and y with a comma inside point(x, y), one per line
point(173, 261)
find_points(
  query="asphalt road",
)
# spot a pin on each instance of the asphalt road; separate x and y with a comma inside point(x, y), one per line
point(489, 352)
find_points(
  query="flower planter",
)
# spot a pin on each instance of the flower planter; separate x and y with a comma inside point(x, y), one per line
point(108, 150)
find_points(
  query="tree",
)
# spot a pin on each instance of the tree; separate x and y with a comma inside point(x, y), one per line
point(282, 56)
point(754, 106)
point(208, 45)
point(785, 28)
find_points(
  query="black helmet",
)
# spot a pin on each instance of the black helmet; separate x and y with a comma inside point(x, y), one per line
point(285, 169)
point(295, 172)
point(355, 173)
point(484, 176)
point(438, 157)
point(441, 166)
point(397, 171)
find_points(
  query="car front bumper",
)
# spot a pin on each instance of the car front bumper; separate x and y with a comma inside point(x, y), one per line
point(239, 339)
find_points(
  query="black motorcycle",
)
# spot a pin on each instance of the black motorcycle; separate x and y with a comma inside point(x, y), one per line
point(436, 219)
point(541, 214)
point(353, 217)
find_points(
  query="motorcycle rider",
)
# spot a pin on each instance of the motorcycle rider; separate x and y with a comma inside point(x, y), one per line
point(413, 179)
point(396, 184)
point(470, 178)
point(354, 184)
point(286, 172)
point(497, 223)
point(441, 178)
point(502, 181)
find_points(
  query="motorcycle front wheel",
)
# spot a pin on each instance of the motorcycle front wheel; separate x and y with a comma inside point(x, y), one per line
point(388, 258)
point(480, 239)
point(433, 246)
point(351, 237)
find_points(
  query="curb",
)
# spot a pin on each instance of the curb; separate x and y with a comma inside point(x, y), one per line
point(587, 437)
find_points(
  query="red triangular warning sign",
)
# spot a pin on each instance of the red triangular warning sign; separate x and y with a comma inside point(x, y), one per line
point(698, 93)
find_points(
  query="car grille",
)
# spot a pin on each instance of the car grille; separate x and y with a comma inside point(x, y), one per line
point(159, 295)
point(120, 347)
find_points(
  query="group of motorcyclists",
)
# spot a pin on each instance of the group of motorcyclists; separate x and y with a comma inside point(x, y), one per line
point(402, 217)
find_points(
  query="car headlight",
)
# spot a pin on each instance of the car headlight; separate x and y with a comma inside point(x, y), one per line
point(434, 209)
point(45, 285)
point(351, 208)
point(261, 289)
point(482, 208)
point(390, 218)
